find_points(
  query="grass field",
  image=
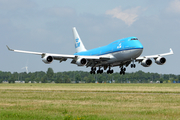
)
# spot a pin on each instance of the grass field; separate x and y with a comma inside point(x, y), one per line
point(89, 101)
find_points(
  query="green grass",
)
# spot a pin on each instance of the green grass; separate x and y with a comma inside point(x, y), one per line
point(89, 101)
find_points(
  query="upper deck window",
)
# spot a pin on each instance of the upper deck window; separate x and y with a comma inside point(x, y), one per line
point(134, 38)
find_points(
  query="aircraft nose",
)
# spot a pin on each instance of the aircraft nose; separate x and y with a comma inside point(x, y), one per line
point(140, 46)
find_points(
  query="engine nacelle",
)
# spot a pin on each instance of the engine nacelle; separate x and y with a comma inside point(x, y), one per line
point(47, 59)
point(146, 62)
point(160, 60)
point(81, 62)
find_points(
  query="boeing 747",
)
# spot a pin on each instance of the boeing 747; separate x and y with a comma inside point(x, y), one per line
point(122, 53)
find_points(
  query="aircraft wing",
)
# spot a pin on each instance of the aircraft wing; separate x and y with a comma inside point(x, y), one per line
point(64, 57)
point(154, 56)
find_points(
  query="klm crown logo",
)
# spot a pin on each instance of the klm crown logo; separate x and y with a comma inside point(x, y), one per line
point(77, 39)
point(118, 47)
point(77, 44)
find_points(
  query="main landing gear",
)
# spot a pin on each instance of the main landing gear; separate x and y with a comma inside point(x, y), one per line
point(110, 71)
point(122, 72)
point(99, 71)
point(93, 70)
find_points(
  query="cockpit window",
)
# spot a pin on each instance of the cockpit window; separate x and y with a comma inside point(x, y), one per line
point(134, 38)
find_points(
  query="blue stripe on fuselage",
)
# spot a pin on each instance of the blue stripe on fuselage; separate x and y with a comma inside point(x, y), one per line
point(116, 46)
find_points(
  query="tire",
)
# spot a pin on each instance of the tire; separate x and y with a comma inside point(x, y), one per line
point(101, 71)
point(134, 65)
point(108, 72)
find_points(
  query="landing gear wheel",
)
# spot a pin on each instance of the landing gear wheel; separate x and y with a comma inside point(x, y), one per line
point(93, 69)
point(122, 71)
point(133, 65)
point(101, 71)
point(108, 72)
point(111, 71)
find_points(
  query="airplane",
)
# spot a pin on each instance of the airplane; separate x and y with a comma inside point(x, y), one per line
point(122, 53)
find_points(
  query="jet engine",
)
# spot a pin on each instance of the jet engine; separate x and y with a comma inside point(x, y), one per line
point(81, 62)
point(160, 60)
point(47, 59)
point(146, 62)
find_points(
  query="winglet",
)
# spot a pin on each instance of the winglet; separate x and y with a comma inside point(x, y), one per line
point(9, 48)
point(171, 51)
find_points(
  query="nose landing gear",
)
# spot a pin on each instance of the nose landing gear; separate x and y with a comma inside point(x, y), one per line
point(133, 65)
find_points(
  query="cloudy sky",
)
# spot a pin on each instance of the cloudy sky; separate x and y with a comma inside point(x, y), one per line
point(46, 26)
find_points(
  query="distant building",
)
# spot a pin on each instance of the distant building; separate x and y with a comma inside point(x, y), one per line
point(19, 81)
point(158, 81)
point(73, 81)
point(5, 81)
point(82, 82)
point(128, 81)
point(113, 81)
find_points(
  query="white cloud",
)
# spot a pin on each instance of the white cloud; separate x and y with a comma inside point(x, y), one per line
point(174, 6)
point(129, 16)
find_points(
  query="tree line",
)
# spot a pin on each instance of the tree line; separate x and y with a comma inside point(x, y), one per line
point(85, 77)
